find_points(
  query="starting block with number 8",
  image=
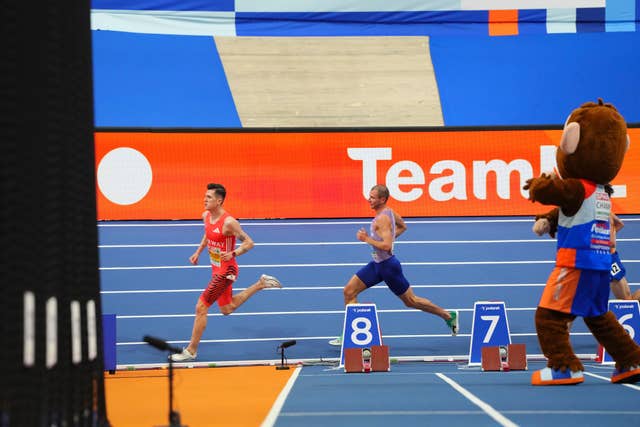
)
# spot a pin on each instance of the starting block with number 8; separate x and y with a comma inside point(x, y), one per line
point(375, 359)
point(362, 349)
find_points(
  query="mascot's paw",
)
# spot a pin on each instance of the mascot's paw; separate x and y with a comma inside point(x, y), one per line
point(541, 226)
point(627, 376)
point(550, 376)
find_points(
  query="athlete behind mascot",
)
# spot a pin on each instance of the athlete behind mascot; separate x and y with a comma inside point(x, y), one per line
point(591, 151)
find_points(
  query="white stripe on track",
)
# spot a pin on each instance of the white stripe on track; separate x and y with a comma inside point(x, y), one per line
point(452, 412)
point(488, 409)
point(355, 222)
point(399, 242)
point(343, 264)
point(600, 377)
point(337, 222)
point(376, 413)
point(347, 264)
point(272, 416)
point(285, 313)
point(340, 287)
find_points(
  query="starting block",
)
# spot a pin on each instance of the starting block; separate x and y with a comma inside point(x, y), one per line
point(380, 358)
point(490, 328)
point(361, 328)
point(360, 360)
point(512, 357)
point(353, 360)
point(628, 314)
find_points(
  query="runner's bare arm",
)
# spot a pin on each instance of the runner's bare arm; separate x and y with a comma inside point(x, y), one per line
point(616, 222)
point(401, 226)
point(232, 227)
point(193, 259)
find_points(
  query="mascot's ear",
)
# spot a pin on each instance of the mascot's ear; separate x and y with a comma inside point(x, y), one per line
point(570, 138)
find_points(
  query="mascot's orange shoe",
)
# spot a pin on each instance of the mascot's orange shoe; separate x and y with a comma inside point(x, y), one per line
point(630, 375)
point(549, 376)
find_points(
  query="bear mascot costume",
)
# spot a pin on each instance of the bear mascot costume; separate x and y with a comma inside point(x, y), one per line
point(593, 145)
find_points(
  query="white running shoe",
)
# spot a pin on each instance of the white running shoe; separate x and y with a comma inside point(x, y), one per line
point(185, 356)
point(336, 342)
point(270, 281)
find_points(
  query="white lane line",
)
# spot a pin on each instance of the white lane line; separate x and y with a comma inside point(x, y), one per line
point(303, 223)
point(375, 413)
point(337, 288)
point(451, 412)
point(337, 222)
point(399, 242)
point(344, 264)
point(347, 264)
point(600, 377)
point(284, 313)
point(272, 416)
point(488, 409)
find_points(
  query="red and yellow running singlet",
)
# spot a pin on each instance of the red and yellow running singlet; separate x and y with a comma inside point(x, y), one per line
point(218, 242)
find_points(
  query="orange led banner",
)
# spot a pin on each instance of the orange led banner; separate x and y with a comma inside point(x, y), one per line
point(163, 175)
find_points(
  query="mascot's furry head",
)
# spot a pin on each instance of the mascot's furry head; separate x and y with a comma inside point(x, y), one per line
point(593, 144)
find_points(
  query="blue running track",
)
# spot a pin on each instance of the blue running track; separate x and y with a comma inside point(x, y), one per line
point(147, 281)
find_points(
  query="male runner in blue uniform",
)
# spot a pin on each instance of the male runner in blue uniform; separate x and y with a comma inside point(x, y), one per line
point(385, 228)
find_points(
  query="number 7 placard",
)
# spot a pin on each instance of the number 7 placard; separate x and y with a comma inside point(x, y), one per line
point(490, 328)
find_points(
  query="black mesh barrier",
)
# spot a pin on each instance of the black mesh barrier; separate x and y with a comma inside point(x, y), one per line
point(51, 361)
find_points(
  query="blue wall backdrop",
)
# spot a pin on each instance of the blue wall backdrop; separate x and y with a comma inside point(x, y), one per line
point(150, 80)
point(532, 80)
point(156, 62)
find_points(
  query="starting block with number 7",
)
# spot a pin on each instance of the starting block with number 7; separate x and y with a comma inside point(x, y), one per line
point(512, 357)
point(489, 335)
point(362, 349)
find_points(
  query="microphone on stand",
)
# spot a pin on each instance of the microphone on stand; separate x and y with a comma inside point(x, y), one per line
point(162, 344)
point(281, 347)
point(287, 344)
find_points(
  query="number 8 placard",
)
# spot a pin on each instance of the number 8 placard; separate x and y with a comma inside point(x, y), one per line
point(361, 328)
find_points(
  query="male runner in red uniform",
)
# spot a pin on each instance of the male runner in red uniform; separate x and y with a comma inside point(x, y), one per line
point(221, 231)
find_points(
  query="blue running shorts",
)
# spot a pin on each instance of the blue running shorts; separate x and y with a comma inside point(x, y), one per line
point(389, 271)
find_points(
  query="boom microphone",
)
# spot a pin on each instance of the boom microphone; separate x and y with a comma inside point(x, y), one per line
point(162, 344)
point(288, 344)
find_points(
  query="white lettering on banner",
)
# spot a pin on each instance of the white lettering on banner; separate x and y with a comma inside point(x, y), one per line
point(369, 157)
point(457, 180)
point(503, 174)
point(394, 180)
point(453, 185)
point(548, 158)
